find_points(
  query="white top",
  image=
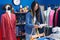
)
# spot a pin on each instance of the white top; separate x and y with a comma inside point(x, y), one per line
point(9, 13)
point(34, 19)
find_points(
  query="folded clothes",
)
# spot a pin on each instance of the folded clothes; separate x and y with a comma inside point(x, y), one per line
point(55, 36)
point(56, 30)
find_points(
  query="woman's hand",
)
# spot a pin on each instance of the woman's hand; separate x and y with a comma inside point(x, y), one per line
point(36, 26)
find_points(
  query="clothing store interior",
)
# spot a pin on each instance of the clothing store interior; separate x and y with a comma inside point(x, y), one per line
point(29, 19)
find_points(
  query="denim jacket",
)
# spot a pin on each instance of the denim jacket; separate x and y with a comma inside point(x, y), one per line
point(29, 23)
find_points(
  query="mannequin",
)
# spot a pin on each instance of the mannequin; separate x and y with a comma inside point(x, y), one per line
point(8, 24)
point(8, 11)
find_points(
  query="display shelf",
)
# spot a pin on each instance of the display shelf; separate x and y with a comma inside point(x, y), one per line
point(20, 12)
point(20, 23)
point(21, 35)
point(20, 18)
point(17, 24)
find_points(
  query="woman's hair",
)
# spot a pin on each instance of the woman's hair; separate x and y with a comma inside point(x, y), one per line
point(37, 11)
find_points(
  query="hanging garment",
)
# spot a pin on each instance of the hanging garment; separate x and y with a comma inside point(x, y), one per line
point(47, 15)
point(8, 27)
point(56, 17)
point(51, 18)
point(58, 20)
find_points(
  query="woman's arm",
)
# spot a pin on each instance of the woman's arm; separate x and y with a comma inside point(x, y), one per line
point(28, 17)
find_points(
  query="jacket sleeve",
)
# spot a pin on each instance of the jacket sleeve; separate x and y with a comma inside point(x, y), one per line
point(28, 24)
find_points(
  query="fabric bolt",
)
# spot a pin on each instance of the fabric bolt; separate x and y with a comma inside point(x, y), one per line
point(8, 26)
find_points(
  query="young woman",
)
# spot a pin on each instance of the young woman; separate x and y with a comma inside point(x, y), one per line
point(33, 19)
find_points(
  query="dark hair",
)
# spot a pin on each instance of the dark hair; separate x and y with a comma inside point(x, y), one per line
point(4, 7)
point(37, 11)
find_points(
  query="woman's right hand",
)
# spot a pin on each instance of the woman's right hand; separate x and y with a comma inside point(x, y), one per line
point(36, 26)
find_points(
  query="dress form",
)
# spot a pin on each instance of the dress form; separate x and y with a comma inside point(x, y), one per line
point(8, 11)
point(8, 24)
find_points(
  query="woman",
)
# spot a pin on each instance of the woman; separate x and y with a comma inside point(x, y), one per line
point(33, 19)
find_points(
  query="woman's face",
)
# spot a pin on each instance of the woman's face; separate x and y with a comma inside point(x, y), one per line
point(36, 7)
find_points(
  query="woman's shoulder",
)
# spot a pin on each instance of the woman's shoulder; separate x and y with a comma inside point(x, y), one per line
point(29, 12)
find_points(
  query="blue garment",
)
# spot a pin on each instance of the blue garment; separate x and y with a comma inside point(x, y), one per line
point(45, 38)
point(29, 24)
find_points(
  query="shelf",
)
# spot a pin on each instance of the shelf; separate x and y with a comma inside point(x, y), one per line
point(19, 13)
point(20, 35)
point(20, 23)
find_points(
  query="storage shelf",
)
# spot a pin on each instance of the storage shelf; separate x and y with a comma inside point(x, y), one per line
point(19, 13)
point(20, 23)
point(21, 35)
point(17, 24)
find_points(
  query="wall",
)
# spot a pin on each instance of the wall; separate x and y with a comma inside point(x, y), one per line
point(16, 8)
point(52, 3)
point(27, 2)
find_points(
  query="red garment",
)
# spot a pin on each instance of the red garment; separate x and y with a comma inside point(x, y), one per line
point(8, 27)
point(0, 33)
point(56, 17)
